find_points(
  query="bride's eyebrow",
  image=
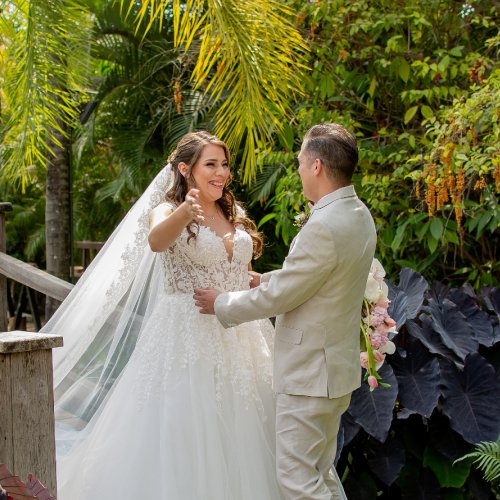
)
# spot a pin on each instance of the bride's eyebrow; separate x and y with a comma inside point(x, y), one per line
point(214, 159)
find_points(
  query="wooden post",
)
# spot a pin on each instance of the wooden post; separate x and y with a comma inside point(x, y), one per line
point(27, 440)
point(4, 311)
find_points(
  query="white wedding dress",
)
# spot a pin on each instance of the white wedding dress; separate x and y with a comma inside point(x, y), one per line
point(191, 415)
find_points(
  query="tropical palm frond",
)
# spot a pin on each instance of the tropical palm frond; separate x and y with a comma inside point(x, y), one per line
point(194, 114)
point(129, 146)
point(487, 459)
point(47, 62)
point(265, 182)
point(36, 243)
point(250, 54)
point(112, 190)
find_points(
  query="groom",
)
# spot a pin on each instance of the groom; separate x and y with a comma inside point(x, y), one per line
point(316, 298)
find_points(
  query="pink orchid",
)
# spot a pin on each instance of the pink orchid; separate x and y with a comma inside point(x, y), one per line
point(389, 321)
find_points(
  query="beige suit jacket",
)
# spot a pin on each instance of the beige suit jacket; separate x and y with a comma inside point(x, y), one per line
point(316, 298)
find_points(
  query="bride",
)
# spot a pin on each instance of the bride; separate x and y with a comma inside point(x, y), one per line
point(154, 400)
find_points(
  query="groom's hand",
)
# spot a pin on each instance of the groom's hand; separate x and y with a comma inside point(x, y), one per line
point(204, 298)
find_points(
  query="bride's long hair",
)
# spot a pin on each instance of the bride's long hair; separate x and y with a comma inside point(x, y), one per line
point(188, 151)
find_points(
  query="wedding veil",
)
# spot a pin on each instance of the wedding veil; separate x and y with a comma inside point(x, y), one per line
point(103, 316)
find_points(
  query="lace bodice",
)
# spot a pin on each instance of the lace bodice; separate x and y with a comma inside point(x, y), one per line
point(204, 262)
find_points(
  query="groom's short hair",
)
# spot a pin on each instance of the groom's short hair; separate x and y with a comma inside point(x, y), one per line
point(336, 147)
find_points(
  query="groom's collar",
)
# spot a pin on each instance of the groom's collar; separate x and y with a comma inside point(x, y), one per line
point(343, 192)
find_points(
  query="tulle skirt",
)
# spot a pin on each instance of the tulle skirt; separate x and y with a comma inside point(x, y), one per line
point(192, 416)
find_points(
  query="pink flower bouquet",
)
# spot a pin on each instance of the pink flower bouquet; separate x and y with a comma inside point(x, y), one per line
point(376, 325)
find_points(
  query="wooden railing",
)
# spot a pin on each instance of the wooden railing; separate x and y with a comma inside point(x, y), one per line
point(27, 439)
point(4, 312)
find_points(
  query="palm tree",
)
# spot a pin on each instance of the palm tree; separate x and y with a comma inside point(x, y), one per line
point(43, 69)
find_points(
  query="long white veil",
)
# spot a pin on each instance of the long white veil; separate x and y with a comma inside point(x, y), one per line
point(103, 316)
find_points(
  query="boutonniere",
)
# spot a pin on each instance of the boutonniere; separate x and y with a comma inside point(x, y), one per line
point(302, 217)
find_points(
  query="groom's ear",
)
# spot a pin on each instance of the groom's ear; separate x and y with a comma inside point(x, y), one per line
point(317, 166)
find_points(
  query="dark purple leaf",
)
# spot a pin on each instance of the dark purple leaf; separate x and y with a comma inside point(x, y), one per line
point(468, 290)
point(453, 328)
point(425, 487)
point(361, 487)
point(418, 377)
point(373, 410)
point(350, 427)
point(415, 286)
point(438, 291)
point(405, 413)
point(340, 445)
point(471, 398)
point(406, 298)
point(398, 306)
point(491, 298)
point(478, 320)
point(430, 338)
point(388, 461)
point(445, 440)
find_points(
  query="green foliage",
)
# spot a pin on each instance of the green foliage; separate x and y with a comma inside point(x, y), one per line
point(43, 68)
point(26, 222)
point(141, 105)
point(448, 475)
point(283, 207)
point(408, 78)
point(486, 457)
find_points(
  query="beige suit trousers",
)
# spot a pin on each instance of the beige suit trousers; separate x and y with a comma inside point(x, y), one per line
point(306, 444)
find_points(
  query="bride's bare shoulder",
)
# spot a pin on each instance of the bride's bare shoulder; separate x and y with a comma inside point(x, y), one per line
point(161, 211)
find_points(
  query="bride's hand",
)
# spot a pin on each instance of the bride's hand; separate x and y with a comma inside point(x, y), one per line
point(193, 205)
point(254, 279)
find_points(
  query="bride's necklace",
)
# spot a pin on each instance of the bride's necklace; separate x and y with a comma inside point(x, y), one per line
point(213, 217)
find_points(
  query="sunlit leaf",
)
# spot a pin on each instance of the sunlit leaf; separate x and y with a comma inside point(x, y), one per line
point(410, 113)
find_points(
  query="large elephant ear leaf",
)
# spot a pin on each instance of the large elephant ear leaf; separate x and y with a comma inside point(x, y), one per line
point(453, 328)
point(430, 339)
point(478, 320)
point(373, 410)
point(406, 298)
point(350, 427)
point(418, 377)
point(471, 398)
point(398, 305)
point(438, 291)
point(491, 299)
point(388, 460)
point(444, 439)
